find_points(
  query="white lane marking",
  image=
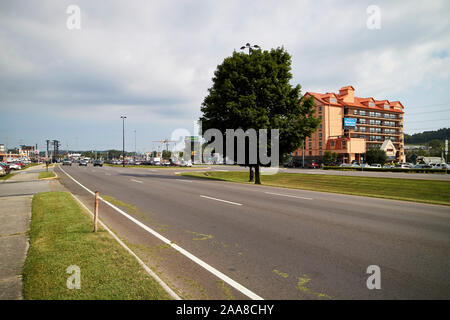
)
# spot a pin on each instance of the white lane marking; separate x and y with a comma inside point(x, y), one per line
point(183, 180)
point(235, 203)
point(222, 170)
point(138, 181)
point(288, 195)
point(184, 252)
point(107, 174)
point(146, 268)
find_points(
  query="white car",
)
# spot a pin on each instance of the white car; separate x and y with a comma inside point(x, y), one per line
point(2, 172)
point(375, 165)
point(442, 166)
point(14, 166)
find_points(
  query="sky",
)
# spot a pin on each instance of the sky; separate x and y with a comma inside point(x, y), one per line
point(153, 61)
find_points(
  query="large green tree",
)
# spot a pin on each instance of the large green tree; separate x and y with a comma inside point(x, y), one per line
point(253, 91)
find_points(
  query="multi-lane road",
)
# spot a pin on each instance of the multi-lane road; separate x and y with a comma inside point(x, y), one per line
point(246, 241)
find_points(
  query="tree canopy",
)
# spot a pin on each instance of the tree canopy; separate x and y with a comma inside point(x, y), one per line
point(253, 91)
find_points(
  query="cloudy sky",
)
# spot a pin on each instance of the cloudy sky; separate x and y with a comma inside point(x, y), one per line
point(153, 62)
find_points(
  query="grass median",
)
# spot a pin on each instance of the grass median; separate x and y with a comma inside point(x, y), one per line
point(46, 174)
point(61, 236)
point(426, 191)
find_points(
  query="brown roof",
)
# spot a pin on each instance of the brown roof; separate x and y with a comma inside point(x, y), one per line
point(358, 102)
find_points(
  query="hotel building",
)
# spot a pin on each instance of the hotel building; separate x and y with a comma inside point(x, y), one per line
point(351, 125)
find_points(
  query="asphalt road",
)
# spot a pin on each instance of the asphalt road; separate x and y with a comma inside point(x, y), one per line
point(278, 243)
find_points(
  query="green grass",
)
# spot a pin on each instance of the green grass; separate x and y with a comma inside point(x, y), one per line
point(33, 164)
point(144, 166)
point(46, 174)
point(427, 191)
point(61, 235)
point(9, 175)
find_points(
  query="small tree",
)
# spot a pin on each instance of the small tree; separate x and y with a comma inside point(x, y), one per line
point(376, 155)
point(329, 157)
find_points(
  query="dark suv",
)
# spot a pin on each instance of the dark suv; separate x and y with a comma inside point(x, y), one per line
point(98, 163)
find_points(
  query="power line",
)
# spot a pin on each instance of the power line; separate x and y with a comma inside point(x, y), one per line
point(428, 120)
point(432, 105)
point(407, 114)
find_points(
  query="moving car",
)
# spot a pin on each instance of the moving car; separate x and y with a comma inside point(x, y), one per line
point(83, 163)
point(98, 163)
point(67, 163)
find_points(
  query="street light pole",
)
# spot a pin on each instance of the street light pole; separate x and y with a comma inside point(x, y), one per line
point(250, 47)
point(135, 146)
point(123, 140)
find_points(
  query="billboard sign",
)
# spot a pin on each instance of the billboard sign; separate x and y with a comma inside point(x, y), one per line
point(349, 123)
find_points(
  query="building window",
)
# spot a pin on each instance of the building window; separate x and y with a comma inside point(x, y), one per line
point(386, 115)
point(320, 152)
point(371, 130)
point(386, 107)
point(372, 114)
point(362, 129)
point(378, 122)
point(320, 144)
point(310, 145)
point(332, 143)
point(393, 116)
point(320, 108)
point(378, 114)
point(310, 153)
point(362, 112)
point(320, 135)
point(371, 121)
point(333, 100)
point(363, 121)
point(320, 126)
point(355, 111)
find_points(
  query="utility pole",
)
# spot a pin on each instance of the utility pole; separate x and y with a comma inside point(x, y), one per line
point(135, 145)
point(303, 155)
point(123, 140)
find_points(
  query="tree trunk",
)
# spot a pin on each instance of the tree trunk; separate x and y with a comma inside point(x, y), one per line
point(257, 177)
point(250, 174)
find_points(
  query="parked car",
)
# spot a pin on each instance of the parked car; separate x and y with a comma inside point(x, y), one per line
point(375, 165)
point(313, 165)
point(83, 163)
point(186, 163)
point(67, 163)
point(403, 165)
point(2, 172)
point(5, 167)
point(355, 164)
point(98, 163)
point(441, 166)
point(422, 166)
point(14, 166)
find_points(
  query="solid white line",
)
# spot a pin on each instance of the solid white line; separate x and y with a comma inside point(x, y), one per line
point(142, 263)
point(187, 254)
point(288, 195)
point(222, 170)
point(107, 174)
point(138, 181)
point(235, 203)
point(183, 180)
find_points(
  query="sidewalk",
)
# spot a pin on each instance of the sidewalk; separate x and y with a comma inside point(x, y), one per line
point(16, 195)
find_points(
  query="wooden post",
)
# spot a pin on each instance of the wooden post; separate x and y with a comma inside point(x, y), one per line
point(96, 211)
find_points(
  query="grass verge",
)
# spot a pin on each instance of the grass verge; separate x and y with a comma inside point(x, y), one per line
point(426, 191)
point(60, 236)
point(6, 177)
point(46, 174)
point(145, 166)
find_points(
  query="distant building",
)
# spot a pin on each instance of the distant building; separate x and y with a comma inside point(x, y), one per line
point(351, 125)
